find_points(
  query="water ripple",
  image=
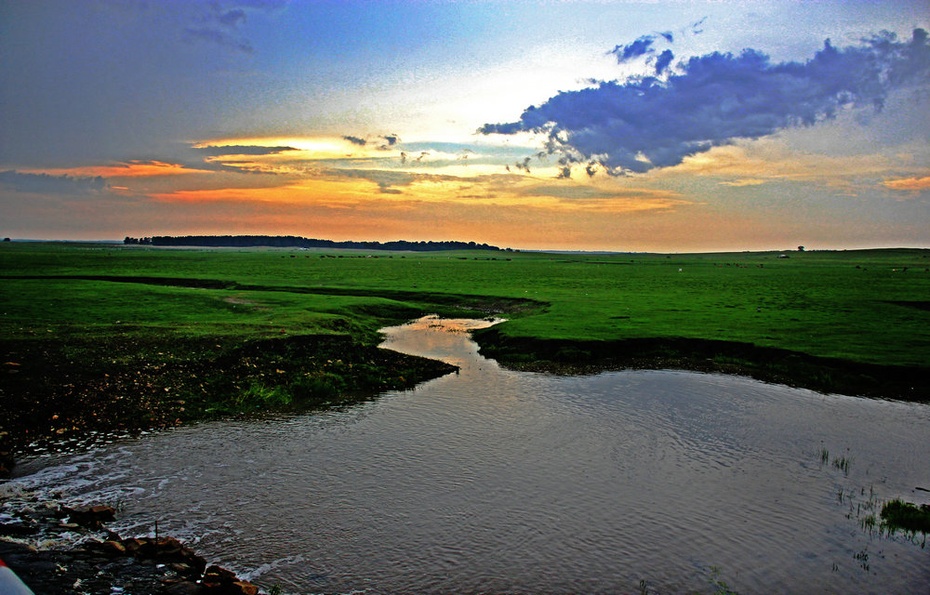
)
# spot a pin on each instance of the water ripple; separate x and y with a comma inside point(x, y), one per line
point(496, 481)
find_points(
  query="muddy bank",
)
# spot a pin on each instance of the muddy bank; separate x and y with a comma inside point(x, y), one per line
point(762, 363)
point(67, 394)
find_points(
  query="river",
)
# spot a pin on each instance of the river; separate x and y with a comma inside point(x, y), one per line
point(495, 481)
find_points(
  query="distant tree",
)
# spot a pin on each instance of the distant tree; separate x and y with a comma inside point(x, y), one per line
point(800, 248)
point(299, 242)
point(7, 240)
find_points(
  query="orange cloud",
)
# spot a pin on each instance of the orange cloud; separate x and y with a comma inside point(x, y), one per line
point(743, 182)
point(757, 162)
point(908, 184)
point(431, 209)
point(130, 169)
point(495, 192)
point(318, 192)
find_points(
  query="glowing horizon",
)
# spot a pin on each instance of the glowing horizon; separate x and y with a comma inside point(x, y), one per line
point(589, 131)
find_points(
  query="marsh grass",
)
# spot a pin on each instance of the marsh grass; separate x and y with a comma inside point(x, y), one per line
point(874, 517)
point(898, 515)
point(720, 586)
point(862, 557)
point(842, 463)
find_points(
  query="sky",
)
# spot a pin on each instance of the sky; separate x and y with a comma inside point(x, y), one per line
point(662, 126)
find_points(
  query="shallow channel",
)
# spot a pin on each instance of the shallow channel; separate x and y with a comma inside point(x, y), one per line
point(497, 481)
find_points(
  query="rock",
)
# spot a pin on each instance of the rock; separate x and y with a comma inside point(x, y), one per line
point(17, 527)
point(92, 517)
point(103, 512)
point(219, 581)
point(181, 568)
point(244, 587)
point(133, 545)
point(113, 548)
point(6, 460)
point(183, 588)
point(217, 576)
point(166, 549)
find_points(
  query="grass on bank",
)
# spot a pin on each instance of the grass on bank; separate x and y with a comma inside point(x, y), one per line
point(864, 306)
point(95, 311)
point(111, 336)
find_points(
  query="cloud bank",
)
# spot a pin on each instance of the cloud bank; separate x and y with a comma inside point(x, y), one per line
point(45, 183)
point(656, 121)
point(219, 151)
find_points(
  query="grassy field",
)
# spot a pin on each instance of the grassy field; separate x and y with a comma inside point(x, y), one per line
point(830, 320)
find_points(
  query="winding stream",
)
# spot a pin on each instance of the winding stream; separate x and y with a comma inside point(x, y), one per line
point(497, 481)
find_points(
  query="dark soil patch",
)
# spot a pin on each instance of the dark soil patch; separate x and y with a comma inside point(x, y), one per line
point(57, 395)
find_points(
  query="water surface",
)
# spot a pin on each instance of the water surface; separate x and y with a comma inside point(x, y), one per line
point(497, 481)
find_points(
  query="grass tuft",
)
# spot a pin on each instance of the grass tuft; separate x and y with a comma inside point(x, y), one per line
point(900, 515)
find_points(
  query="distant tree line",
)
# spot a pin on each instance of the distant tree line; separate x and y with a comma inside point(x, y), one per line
point(299, 242)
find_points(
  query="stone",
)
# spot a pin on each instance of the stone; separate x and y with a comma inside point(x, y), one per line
point(183, 588)
point(113, 548)
point(244, 587)
point(92, 517)
point(217, 576)
point(133, 545)
point(219, 581)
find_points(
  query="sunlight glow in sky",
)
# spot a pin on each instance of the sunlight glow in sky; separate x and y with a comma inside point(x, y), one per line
point(585, 125)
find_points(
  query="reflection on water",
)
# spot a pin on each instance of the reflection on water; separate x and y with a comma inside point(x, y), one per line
point(498, 481)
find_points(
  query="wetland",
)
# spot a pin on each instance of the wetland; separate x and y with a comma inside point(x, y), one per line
point(639, 422)
point(494, 480)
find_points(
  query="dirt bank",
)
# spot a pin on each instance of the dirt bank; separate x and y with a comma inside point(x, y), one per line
point(63, 395)
point(763, 363)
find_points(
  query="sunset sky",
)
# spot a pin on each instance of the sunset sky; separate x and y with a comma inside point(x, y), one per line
point(671, 126)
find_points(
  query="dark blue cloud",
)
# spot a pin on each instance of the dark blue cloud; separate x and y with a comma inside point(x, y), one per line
point(714, 99)
point(640, 47)
point(217, 151)
point(663, 62)
point(644, 47)
point(385, 141)
point(48, 184)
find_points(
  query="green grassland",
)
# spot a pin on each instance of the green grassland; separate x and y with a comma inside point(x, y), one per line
point(852, 321)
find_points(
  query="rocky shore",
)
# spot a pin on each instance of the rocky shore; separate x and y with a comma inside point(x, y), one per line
point(102, 561)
